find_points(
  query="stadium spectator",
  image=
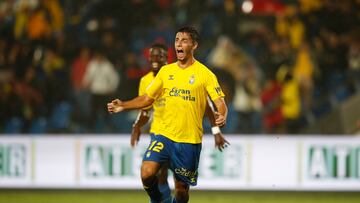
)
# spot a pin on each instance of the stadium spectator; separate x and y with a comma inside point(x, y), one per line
point(81, 95)
point(102, 80)
point(56, 78)
point(354, 61)
point(39, 27)
point(290, 99)
point(273, 119)
point(304, 72)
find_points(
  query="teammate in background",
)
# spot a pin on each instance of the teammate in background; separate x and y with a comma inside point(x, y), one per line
point(184, 87)
point(157, 59)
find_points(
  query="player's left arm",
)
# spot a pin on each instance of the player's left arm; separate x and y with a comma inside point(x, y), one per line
point(220, 141)
point(141, 120)
point(217, 96)
point(221, 114)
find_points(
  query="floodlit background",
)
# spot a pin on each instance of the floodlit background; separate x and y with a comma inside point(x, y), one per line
point(285, 65)
point(290, 70)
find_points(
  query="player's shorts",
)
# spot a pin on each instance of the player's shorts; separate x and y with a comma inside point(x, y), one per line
point(183, 157)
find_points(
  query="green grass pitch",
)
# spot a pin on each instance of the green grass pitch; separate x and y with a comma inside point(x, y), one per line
point(138, 196)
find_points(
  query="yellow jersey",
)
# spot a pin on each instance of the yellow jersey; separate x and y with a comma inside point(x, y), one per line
point(184, 93)
point(157, 105)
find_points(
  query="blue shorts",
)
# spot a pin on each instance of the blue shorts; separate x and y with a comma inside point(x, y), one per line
point(183, 157)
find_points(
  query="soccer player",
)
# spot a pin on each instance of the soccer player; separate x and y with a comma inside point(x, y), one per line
point(157, 59)
point(184, 87)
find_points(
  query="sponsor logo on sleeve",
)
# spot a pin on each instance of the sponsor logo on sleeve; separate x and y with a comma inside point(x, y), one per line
point(218, 90)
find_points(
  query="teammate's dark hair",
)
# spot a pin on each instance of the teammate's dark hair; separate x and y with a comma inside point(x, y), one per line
point(194, 34)
point(160, 46)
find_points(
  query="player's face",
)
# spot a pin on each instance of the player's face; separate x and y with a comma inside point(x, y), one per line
point(157, 59)
point(184, 46)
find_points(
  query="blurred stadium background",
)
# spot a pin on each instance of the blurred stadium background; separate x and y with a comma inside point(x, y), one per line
point(290, 69)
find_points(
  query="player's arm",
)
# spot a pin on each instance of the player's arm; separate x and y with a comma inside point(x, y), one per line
point(153, 91)
point(217, 96)
point(221, 114)
point(116, 105)
point(220, 141)
point(141, 120)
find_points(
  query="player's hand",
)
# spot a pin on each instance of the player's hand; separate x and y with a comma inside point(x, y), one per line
point(135, 135)
point(115, 106)
point(220, 142)
point(220, 120)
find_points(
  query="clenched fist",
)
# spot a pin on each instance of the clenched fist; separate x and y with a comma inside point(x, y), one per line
point(115, 106)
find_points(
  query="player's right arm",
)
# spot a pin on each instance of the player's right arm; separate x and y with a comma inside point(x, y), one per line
point(116, 105)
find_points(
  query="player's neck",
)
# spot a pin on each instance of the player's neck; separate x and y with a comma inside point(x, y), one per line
point(186, 63)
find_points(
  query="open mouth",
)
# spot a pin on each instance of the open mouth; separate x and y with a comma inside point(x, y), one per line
point(180, 52)
point(155, 64)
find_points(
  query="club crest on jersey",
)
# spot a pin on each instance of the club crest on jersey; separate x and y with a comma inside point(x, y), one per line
point(192, 79)
point(171, 77)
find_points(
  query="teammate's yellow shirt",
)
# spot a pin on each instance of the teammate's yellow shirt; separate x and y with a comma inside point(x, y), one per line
point(184, 92)
point(157, 105)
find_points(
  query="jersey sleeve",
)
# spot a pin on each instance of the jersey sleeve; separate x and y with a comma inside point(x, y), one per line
point(142, 90)
point(142, 87)
point(154, 89)
point(212, 87)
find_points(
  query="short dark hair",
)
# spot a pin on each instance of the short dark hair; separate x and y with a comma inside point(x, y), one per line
point(194, 34)
point(159, 45)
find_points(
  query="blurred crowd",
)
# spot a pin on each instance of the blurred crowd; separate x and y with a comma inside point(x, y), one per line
point(282, 64)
